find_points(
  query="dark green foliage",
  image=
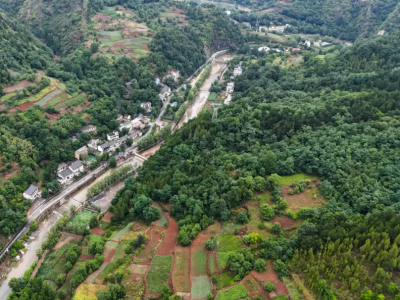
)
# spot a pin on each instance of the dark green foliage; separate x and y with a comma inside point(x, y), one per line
point(269, 286)
point(96, 245)
point(280, 268)
point(241, 262)
point(242, 218)
point(260, 265)
point(35, 289)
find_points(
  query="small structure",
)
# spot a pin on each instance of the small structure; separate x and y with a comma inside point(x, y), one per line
point(127, 117)
point(74, 136)
point(76, 167)
point(174, 104)
point(381, 32)
point(62, 167)
point(93, 143)
point(120, 117)
point(31, 193)
point(112, 136)
point(109, 146)
point(146, 106)
point(65, 176)
point(228, 12)
point(157, 80)
point(128, 84)
point(264, 48)
point(296, 49)
point(237, 71)
point(165, 91)
point(126, 124)
point(229, 87)
point(81, 151)
point(89, 128)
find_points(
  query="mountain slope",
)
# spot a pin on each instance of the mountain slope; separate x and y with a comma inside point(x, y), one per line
point(24, 50)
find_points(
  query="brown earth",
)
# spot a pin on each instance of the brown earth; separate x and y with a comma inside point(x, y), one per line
point(85, 257)
point(254, 290)
point(107, 217)
point(110, 255)
point(66, 237)
point(22, 107)
point(286, 222)
point(270, 276)
point(97, 231)
point(181, 279)
point(170, 239)
point(19, 86)
point(303, 199)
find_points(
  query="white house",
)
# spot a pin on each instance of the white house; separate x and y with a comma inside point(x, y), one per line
point(165, 91)
point(229, 87)
point(146, 106)
point(264, 48)
point(127, 125)
point(66, 176)
point(228, 12)
point(31, 193)
point(237, 71)
point(93, 143)
point(76, 167)
point(109, 146)
point(62, 167)
point(112, 136)
point(89, 128)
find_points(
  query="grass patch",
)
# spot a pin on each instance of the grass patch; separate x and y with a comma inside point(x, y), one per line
point(222, 258)
point(158, 273)
point(224, 280)
point(103, 224)
point(72, 102)
point(107, 271)
point(288, 180)
point(137, 41)
point(161, 221)
point(122, 232)
point(88, 291)
point(110, 245)
point(134, 288)
point(201, 286)
point(252, 284)
point(306, 293)
point(212, 96)
point(134, 47)
point(255, 219)
point(234, 293)
point(60, 98)
point(181, 271)
point(82, 218)
point(293, 292)
point(211, 262)
point(42, 102)
point(120, 251)
point(264, 198)
point(7, 97)
point(228, 243)
point(199, 259)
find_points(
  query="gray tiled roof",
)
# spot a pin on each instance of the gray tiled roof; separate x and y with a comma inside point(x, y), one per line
point(65, 173)
point(31, 189)
point(76, 165)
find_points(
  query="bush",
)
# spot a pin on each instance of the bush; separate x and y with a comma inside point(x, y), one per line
point(242, 218)
point(276, 228)
point(210, 296)
point(392, 288)
point(270, 287)
point(267, 212)
point(280, 268)
point(260, 265)
point(209, 245)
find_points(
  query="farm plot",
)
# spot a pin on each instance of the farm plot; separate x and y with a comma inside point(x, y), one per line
point(122, 232)
point(137, 41)
point(224, 280)
point(226, 244)
point(134, 287)
point(180, 274)
point(234, 293)
point(198, 262)
point(159, 273)
point(42, 102)
point(201, 286)
point(81, 98)
point(255, 219)
point(82, 218)
point(88, 291)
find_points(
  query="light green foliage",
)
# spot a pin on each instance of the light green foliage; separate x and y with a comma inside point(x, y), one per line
point(201, 287)
point(223, 280)
point(234, 293)
point(158, 273)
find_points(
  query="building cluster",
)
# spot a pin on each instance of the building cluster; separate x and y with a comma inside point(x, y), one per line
point(67, 172)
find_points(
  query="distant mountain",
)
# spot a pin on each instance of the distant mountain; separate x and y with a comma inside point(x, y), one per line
point(59, 23)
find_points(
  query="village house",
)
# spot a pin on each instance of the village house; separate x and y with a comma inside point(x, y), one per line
point(157, 80)
point(264, 48)
point(89, 128)
point(108, 147)
point(93, 143)
point(31, 193)
point(74, 169)
point(229, 87)
point(81, 151)
point(62, 167)
point(237, 71)
point(120, 117)
point(113, 136)
point(126, 124)
point(146, 106)
point(165, 91)
point(174, 104)
point(127, 117)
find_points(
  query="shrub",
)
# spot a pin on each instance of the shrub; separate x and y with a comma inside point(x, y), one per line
point(392, 288)
point(260, 265)
point(267, 212)
point(290, 192)
point(210, 296)
point(242, 218)
point(276, 228)
point(270, 287)
point(209, 245)
point(280, 268)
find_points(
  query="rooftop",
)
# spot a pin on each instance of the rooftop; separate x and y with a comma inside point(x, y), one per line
point(82, 149)
point(65, 173)
point(31, 189)
point(76, 165)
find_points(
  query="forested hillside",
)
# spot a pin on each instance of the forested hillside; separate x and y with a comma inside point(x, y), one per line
point(24, 50)
point(335, 116)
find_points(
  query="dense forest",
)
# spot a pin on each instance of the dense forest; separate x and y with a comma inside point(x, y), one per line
point(335, 116)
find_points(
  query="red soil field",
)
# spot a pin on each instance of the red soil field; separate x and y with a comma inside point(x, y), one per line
point(286, 222)
point(270, 276)
point(107, 217)
point(98, 231)
point(16, 87)
point(65, 238)
point(22, 107)
point(145, 47)
point(110, 255)
point(168, 244)
point(85, 257)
